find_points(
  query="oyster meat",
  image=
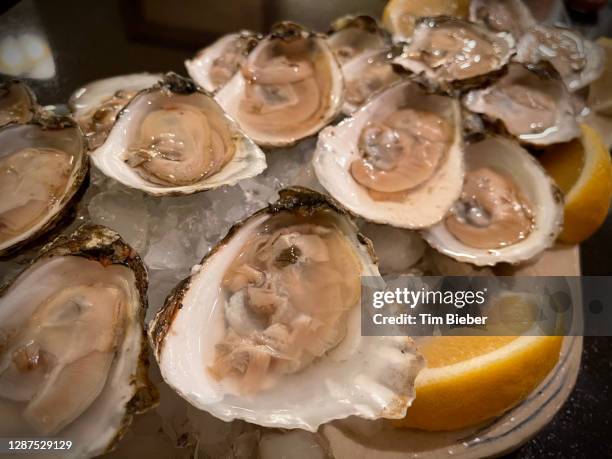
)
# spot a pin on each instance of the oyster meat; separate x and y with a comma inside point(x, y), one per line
point(43, 166)
point(503, 16)
point(398, 160)
point(578, 60)
point(351, 36)
point(509, 209)
point(213, 66)
point(95, 106)
point(278, 303)
point(73, 358)
point(453, 52)
point(366, 75)
point(175, 139)
point(17, 103)
point(531, 101)
point(400, 17)
point(288, 88)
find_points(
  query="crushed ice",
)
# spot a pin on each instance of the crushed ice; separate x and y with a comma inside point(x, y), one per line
point(172, 235)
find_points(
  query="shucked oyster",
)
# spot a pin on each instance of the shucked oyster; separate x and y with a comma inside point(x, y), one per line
point(363, 51)
point(453, 52)
point(367, 75)
point(73, 358)
point(213, 66)
point(175, 139)
point(578, 60)
point(503, 16)
point(352, 36)
point(509, 209)
point(531, 102)
point(43, 166)
point(398, 160)
point(95, 106)
point(17, 103)
point(288, 88)
point(267, 329)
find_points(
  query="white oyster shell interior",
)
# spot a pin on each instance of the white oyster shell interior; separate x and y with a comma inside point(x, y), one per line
point(449, 50)
point(535, 109)
point(371, 377)
point(295, 88)
point(226, 54)
point(96, 105)
point(423, 206)
point(578, 60)
point(507, 157)
point(94, 424)
point(247, 159)
point(41, 171)
point(93, 94)
point(365, 76)
point(351, 42)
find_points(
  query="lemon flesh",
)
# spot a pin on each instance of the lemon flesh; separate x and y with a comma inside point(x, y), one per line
point(471, 379)
point(582, 169)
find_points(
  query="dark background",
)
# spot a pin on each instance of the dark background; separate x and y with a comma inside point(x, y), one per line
point(97, 39)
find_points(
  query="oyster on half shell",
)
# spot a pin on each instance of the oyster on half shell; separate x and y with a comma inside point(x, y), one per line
point(449, 52)
point(509, 210)
point(503, 15)
point(174, 139)
point(579, 61)
point(73, 355)
point(288, 88)
point(95, 106)
point(531, 102)
point(398, 160)
point(367, 75)
point(213, 66)
point(43, 168)
point(267, 329)
point(17, 102)
point(351, 36)
point(363, 50)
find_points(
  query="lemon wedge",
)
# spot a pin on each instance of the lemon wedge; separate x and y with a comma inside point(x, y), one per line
point(399, 16)
point(582, 169)
point(470, 379)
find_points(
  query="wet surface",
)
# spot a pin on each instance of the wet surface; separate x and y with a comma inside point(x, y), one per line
point(92, 40)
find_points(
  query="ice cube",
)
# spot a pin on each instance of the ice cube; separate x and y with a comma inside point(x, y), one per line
point(397, 249)
point(125, 212)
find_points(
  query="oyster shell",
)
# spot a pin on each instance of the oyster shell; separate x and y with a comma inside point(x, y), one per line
point(401, 16)
point(95, 106)
point(398, 160)
point(531, 102)
point(174, 139)
point(267, 328)
point(17, 102)
point(503, 16)
point(449, 52)
point(43, 168)
point(367, 75)
point(509, 211)
point(73, 361)
point(351, 36)
point(578, 60)
point(289, 87)
point(212, 67)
